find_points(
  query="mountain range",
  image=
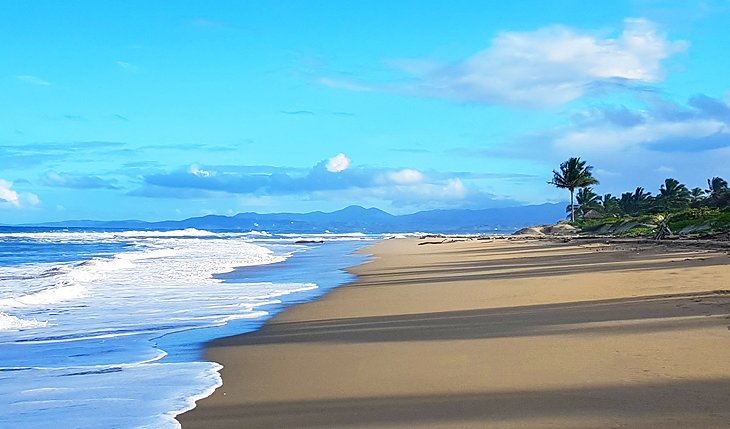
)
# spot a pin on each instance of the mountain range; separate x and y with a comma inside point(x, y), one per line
point(351, 219)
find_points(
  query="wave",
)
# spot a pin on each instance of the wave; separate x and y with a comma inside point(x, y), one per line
point(12, 323)
point(69, 236)
point(259, 233)
point(328, 234)
point(45, 297)
point(285, 289)
point(168, 260)
point(188, 232)
point(210, 381)
point(172, 270)
point(62, 283)
point(110, 315)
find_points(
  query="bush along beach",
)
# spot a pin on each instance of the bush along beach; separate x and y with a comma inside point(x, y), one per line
point(675, 210)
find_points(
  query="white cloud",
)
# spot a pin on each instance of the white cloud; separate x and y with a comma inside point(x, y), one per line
point(338, 163)
point(689, 134)
point(411, 187)
point(599, 139)
point(31, 199)
point(196, 170)
point(262, 186)
point(643, 145)
point(550, 66)
point(55, 178)
point(7, 194)
point(422, 195)
point(15, 199)
point(405, 177)
point(33, 80)
point(455, 189)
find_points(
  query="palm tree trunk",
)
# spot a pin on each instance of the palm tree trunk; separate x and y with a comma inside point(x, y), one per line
point(572, 207)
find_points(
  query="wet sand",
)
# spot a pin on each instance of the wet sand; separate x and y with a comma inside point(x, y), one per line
point(492, 333)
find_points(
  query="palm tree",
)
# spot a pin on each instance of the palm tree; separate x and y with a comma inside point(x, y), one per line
point(573, 174)
point(610, 205)
point(697, 196)
point(716, 185)
point(719, 194)
point(587, 200)
point(673, 195)
point(636, 203)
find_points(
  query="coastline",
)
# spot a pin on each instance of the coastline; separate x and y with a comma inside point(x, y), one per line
point(504, 333)
point(123, 311)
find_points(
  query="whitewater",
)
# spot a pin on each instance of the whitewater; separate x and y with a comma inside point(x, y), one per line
point(105, 329)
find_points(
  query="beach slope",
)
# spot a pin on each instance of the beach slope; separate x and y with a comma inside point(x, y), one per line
point(492, 333)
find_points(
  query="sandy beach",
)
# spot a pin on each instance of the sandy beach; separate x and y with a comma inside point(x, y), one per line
point(492, 333)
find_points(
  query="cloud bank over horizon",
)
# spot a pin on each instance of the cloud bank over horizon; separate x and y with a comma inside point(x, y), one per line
point(331, 179)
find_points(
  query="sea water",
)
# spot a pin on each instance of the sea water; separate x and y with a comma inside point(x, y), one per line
point(105, 329)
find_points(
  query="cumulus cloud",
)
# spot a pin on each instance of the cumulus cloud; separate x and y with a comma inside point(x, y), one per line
point(405, 177)
point(32, 80)
point(455, 189)
point(7, 194)
point(550, 66)
point(338, 163)
point(77, 181)
point(12, 197)
point(197, 171)
point(451, 193)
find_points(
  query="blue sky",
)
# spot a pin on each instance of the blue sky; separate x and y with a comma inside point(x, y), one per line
point(166, 110)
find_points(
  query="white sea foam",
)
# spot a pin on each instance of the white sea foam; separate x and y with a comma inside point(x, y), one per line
point(211, 379)
point(164, 264)
point(333, 235)
point(70, 236)
point(188, 232)
point(51, 295)
point(12, 323)
point(81, 338)
point(259, 233)
point(107, 396)
point(292, 288)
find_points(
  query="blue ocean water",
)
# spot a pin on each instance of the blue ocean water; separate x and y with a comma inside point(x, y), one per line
point(104, 329)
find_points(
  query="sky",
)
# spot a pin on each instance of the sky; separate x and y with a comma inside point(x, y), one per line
point(172, 109)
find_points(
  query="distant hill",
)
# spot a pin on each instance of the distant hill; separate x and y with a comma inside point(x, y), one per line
point(352, 219)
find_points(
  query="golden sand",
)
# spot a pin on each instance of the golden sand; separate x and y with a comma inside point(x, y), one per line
point(492, 334)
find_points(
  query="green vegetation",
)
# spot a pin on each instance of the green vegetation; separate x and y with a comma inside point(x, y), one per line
point(573, 174)
point(683, 210)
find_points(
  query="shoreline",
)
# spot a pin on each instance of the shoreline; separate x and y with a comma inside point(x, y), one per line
point(500, 332)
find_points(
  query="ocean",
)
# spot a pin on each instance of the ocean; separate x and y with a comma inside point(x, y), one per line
point(104, 329)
